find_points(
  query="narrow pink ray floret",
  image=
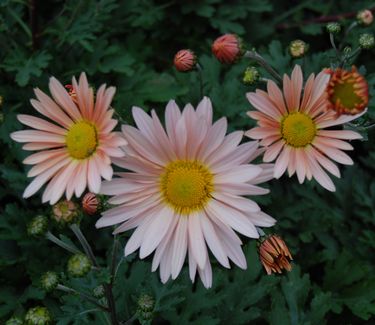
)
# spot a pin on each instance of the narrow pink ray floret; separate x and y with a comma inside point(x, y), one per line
point(292, 128)
point(184, 191)
point(75, 142)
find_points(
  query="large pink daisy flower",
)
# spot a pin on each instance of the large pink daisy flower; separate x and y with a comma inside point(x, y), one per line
point(291, 127)
point(184, 191)
point(75, 145)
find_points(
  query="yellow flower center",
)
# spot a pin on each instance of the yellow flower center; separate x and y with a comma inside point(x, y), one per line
point(82, 140)
point(346, 94)
point(186, 185)
point(298, 129)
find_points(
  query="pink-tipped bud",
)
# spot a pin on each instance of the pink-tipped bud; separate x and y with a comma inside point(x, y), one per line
point(227, 48)
point(365, 17)
point(185, 60)
point(90, 203)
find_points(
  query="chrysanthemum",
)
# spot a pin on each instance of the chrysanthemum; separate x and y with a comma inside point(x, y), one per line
point(292, 128)
point(185, 191)
point(75, 143)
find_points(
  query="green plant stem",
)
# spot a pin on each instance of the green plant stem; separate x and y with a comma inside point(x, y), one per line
point(260, 231)
point(332, 40)
point(349, 29)
point(130, 320)
point(83, 295)
point(259, 59)
point(60, 243)
point(200, 77)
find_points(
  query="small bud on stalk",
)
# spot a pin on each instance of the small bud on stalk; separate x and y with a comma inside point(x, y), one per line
point(90, 203)
point(251, 76)
point(79, 265)
point(228, 48)
point(298, 48)
point(366, 41)
point(49, 281)
point(38, 226)
point(145, 309)
point(99, 292)
point(274, 254)
point(333, 28)
point(65, 212)
point(14, 321)
point(185, 60)
point(38, 316)
point(365, 17)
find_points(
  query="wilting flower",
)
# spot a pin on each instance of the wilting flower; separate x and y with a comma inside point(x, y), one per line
point(274, 254)
point(90, 203)
point(185, 60)
point(347, 91)
point(227, 48)
point(75, 145)
point(291, 127)
point(185, 191)
point(365, 17)
point(65, 212)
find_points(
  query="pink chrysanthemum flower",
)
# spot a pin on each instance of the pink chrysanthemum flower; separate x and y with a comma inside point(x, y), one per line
point(185, 191)
point(75, 145)
point(291, 127)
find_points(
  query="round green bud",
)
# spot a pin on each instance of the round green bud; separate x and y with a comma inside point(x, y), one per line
point(79, 265)
point(298, 48)
point(38, 316)
point(99, 292)
point(333, 28)
point(366, 41)
point(251, 76)
point(37, 226)
point(14, 321)
point(146, 303)
point(49, 281)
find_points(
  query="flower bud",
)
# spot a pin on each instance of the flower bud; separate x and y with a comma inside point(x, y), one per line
point(99, 292)
point(251, 76)
point(90, 203)
point(71, 92)
point(228, 48)
point(37, 226)
point(185, 60)
point(14, 321)
point(298, 48)
point(65, 212)
point(79, 265)
point(274, 254)
point(365, 17)
point(366, 41)
point(333, 28)
point(145, 309)
point(49, 281)
point(38, 316)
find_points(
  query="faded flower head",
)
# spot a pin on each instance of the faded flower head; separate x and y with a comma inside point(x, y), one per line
point(79, 265)
point(65, 212)
point(227, 48)
point(274, 254)
point(347, 91)
point(37, 226)
point(185, 60)
point(365, 17)
point(90, 203)
point(75, 141)
point(38, 316)
point(298, 48)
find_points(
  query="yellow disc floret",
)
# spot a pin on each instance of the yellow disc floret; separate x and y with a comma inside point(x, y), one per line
point(298, 129)
point(81, 140)
point(186, 185)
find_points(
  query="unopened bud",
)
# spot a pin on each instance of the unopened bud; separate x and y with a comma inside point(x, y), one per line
point(251, 76)
point(298, 48)
point(38, 316)
point(90, 203)
point(79, 265)
point(14, 321)
point(145, 311)
point(366, 41)
point(38, 226)
point(49, 281)
point(65, 212)
point(71, 92)
point(333, 28)
point(228, 48)
point(185, 60)
point(365, 17)
point(99, 292)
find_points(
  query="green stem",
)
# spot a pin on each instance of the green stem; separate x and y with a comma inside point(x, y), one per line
point(332, 40)
point(130, 320)
point(350, 28)
point(260, 231)
point(259, 59)
point(200, 77)
point(62, 244)
point(84, 243)
point(83, 295)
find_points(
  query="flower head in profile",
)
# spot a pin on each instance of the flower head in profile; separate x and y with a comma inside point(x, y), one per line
point(75, 141)
point(291, 127)
point(347, 91)
point(184, 191)
point(228, 48)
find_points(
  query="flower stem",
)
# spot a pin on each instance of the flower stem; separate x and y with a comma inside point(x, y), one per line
point(350, 28)
point(261, 61)
point(83, 295)
point(200, 76)
point(62, 244)
point(85, 245)
point(260, 231)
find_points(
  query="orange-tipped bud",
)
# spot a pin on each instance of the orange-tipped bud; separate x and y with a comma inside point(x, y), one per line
point(227, 48)
point(185, 60)
point(274, 254)
point(90, 203)
point(347, 91)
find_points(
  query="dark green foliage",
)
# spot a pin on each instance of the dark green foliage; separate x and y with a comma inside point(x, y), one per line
point(130, 44)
